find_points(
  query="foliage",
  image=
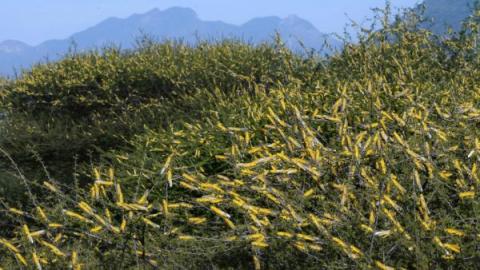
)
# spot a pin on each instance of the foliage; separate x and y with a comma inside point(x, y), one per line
point(69, 111)
point(367, 160)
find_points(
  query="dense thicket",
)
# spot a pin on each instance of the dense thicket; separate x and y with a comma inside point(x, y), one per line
point(66, 112)
point(232, 156)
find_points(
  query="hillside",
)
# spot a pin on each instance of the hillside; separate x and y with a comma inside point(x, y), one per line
point(229, 155)
point(173, 23)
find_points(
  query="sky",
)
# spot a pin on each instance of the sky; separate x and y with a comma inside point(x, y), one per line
point(34, 21)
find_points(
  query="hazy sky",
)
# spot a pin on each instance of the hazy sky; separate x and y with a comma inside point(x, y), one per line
point(33, 21)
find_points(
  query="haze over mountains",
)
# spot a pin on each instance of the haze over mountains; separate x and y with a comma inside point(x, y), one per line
point(447, 13)
point(183, 23)
point(173, 23)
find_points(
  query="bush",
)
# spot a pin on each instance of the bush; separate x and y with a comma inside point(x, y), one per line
point(370, 163)
point(70, 111)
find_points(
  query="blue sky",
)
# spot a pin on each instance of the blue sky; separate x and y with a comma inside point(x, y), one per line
point(34, 21)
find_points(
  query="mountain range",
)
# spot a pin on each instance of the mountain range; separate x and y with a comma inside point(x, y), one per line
point(441, 14)
point(184, 24)
point(173, 23)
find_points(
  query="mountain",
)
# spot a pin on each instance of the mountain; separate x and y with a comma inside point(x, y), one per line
point(13, 46)
point(173, 23)
point(442, 14)
point(293, 29)
point(13, 54)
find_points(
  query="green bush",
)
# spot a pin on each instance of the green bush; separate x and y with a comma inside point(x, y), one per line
point(82, 86)
point(71, 110)
point(366, 160)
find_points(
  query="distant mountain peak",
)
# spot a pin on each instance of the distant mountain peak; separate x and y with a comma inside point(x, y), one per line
point(294, 20)
point(13, 46)
point(178, 11)
point(274, 19)
point(173, 14)
point(441, 14)
point(11, 42)
point(173, 23)
point(262, 24)
point(152, 11)
point(293, 17)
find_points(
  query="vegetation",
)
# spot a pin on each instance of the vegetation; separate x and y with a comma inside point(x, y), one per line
point(233, 156)
point(94, 101)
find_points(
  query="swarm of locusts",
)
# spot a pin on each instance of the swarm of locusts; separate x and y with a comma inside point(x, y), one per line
point(373, 166)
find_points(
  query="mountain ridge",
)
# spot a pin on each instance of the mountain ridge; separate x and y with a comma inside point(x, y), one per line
point(13, 46)
point(442, 14)
point(173, 23)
